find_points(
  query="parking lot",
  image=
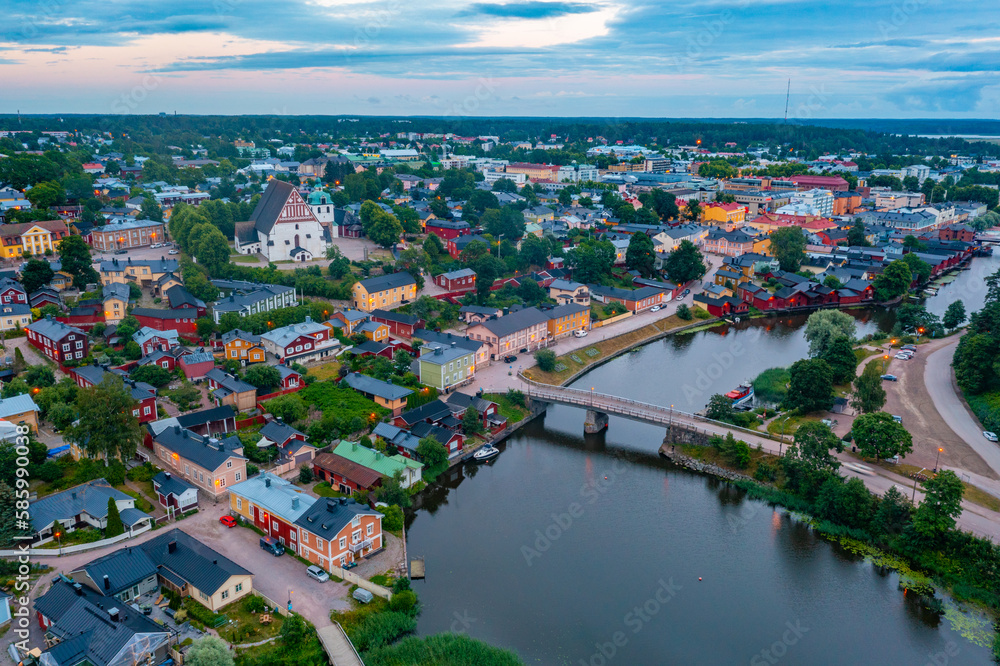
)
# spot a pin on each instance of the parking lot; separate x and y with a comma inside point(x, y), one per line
point(274, 577)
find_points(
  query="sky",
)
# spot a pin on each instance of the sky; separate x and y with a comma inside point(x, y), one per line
point(627, 58)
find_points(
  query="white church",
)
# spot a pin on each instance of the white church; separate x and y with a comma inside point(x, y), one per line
point(284, 227)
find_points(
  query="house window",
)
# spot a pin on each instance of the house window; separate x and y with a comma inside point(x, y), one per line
point(239, 587)
point(79, 344)
point(145, 411)
point(202, 594)
point(229, 463)
point(343, 543)
point(371, 529)
point(319, 543)
point(225, 594)
point(356, 521)
point(239, 503)
point(222, 481)
point(356, 536)
point(239, 475)
point(274, 525)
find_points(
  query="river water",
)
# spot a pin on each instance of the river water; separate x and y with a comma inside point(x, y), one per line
point(574, 549)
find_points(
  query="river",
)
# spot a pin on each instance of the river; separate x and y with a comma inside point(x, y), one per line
point(569, 547)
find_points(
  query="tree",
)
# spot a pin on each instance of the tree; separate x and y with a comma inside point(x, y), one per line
point(693, 209)
point(856, 235)
point(507, 222)
point(74, 253)
point(813, 441)
point(433, 247)
point(920, 270)
point(893, 513)
point(893, 282)
point(289, 408)
point(825, 326)
point(107, 426)
point(640, 255)
point(954, 316)
point(684, 312)
point(45, 195)
point(209, 651)
point(849, 503)
point(432, 452)
point(720, 408)
point(472, 424)
point(839, 354)
point(534, 250)
point(942, 504)
point(210, 246)
point(546, 360)
point(133, 351)
point(488, 269)
point(592, 260)
point(974, 362)
point(114, 525)
point(152, 374)
point(531, 292)
point(661, 202)
point(381, 227)
point(788, 246)
point(483, 199)
point(36, 274)
point(810, 386)
point(262, 376)
point(879, 436)
point(869, 395)
point(685, 263)
point(151, 210)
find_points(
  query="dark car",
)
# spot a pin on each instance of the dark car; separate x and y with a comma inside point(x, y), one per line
point(890, 378)
point(509, 358)
point(685, 292)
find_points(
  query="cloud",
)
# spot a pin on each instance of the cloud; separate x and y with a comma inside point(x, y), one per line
point(527, 10)
point(946, 95)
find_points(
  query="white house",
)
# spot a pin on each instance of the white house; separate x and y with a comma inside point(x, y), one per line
point(283, 227)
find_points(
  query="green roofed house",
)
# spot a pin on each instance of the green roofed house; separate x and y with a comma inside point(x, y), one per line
point(381, 463)
point(446, 366)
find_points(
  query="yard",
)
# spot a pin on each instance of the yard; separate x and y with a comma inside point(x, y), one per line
point(245, 622)
point(509, 409)
point(788, 423)
point(326, 371)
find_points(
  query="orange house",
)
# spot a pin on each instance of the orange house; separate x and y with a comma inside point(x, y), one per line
point(566, 319)
point(244, 347)
point(336, 531)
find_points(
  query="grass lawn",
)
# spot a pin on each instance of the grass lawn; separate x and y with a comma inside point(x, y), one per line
point(85, 535)
point(246, 627)
point(141, 502)
point(323, 489)
point(791, 423)
point(508, 408)
point(244, 259)
point(862, 353)
point(576, 361)
point(326, 371)
point(982, 498)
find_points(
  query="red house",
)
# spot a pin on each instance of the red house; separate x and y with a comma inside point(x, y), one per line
point(400, 324)
point(345, 475)
point(151, 340)
point(12, 292)
point(447, 229)
point(463, 279)
point(722, 307)
point(181, 320)
point(60, 342)
point(196, 365)
point(290, 380)
point(161, 358)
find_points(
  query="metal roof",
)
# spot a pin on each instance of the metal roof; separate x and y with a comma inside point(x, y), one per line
point(90, 498)
point(205, 452)
point(203, 568)
point(377, 387)
point(275, 495)
point(327, 517)
point(17, 404)
point(390, 281)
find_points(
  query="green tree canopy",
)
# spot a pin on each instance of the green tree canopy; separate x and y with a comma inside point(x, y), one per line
point(825, 326)
point(640, 255)
point(107, 425)
point(36, 274)
point(74, 253)
point(942, 504)
point(879, 436)
point(685, 263)
point(893, 282)
point(810, 386)
point(788, 246)
point(813, 443)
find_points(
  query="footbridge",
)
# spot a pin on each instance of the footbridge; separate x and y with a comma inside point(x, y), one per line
point(681, 426)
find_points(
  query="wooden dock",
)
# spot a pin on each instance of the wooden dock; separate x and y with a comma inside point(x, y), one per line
point(417, 568)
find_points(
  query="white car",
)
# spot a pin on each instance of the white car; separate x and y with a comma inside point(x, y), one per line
point(580, 333)
point(655, 308)
point(903, 357)
point(318, 574)
point(992, 436)
point(173, 252)
point(155, 245)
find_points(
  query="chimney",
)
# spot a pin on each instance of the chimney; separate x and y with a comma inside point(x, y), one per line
point(177, 430)
point(78, 589)
point(115, 615)
point(295, 503)
point(343, 500)
point(167, 475)
point(215, 562)
point(172, 546)
point(107, 583)
point(267, 482)
point(331, 505)
point(354, 446)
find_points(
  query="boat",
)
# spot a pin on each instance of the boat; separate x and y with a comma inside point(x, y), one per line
point(487, 452)
point(742, 394)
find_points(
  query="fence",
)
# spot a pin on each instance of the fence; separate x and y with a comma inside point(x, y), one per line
point(78, 548)
point(354, 578)
point(611, 320)
point(252, 421)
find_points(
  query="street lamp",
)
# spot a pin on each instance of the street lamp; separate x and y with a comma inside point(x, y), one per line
point(913, 499)
point(591, 396)
point(499, 238)
point(938, 459)
point(885, 361)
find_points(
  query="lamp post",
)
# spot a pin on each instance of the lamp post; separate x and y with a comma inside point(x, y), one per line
point(885, 361)
point(499, 238)
point(591, 396)
point(938, 459)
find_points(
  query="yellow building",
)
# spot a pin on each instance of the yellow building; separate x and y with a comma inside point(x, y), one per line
point(375, 330)
point(730, 216)
point(244, 347)
point(35, 238)
point(116, 297)
point(20, 410)
point(384, 291)
point(142, 272)
point(762, 245)
point(566, 319)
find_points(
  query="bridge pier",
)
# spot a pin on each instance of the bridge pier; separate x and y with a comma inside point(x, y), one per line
point(596, 422)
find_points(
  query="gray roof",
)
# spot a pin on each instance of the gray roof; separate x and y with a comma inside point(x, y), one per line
point(118, 290)
point(327, 517)
point(485, 310)
point(229, 382)
point(565, 285)
point(276, 495)
point(371, 386)
point(124, 568)
point(515, 321)
point(205, 452)
point(440, 354)
point(427, 335)
point(170, 484)
point(287, 334)
point(279, 432)
point(265, 215)
point(161, 265)
point(240, 300)
point(82, 622)
point(397, 436)
point(460, 273)
point(90, 498)
point(52, 329)
point(17, 404)
point(237, 334)
point(199, 565)
point(390, 281)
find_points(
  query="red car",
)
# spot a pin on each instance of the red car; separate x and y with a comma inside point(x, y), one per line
point(228, 521)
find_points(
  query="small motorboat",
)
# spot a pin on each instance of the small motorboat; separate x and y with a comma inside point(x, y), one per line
point(487, 452)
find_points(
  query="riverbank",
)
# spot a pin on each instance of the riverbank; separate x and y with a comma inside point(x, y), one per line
point(920, 565)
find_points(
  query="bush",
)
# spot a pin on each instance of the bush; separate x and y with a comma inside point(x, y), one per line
point(701, 314)
point(254, 604)
point(445, 649)
point(381, 629)
point(49, 471)
point(766, 471)
point(144, 472)
point(772, 385)
point(546, 359)
point(684, 312)
point(393, 518)
point(305, 474)
point(403, 602)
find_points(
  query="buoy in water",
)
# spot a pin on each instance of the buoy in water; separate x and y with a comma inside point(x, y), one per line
point(699, 578)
